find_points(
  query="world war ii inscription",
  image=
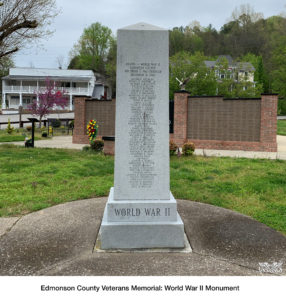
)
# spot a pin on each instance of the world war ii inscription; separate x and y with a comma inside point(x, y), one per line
point(142, 134)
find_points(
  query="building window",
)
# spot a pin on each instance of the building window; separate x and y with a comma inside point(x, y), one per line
point(222, 76)
point(27, 101)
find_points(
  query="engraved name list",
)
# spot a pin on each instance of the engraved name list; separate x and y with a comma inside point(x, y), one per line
point(142, 123)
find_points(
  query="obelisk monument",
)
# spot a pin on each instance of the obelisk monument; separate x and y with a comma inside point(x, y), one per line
point(141, 211)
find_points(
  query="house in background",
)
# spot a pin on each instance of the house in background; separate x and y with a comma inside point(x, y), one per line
point(239, 71)
point(21, 86)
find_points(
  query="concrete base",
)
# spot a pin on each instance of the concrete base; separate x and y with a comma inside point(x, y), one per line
point(187, 248)
point(155, 233)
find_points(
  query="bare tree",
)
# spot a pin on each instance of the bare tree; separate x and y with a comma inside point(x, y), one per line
point(245, 13)
point(60, 60)
point(24, 20)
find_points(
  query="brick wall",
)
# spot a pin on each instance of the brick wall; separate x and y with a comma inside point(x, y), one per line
point(216, 118)
point(109, 147)
point(209, 122)
point(85, 109)
point(226, 124)
point(79, 133)
point(103, 111)
point(180, 118)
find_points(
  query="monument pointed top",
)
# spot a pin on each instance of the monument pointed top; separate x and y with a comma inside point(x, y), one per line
point(142, 26)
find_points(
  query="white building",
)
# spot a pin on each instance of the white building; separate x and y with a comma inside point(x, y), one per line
point(239, 71)
point(21, 86)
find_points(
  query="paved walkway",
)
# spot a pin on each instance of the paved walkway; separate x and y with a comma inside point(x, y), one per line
point(60, 241)
point(66, 142)
point(280, 154)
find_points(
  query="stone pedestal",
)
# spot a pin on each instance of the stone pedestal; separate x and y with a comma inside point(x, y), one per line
point(143, 224)
point(141, 211)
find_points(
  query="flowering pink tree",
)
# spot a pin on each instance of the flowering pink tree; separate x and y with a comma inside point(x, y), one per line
point(47, 100)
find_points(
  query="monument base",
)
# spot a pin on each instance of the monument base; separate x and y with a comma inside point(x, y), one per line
point(153, 232)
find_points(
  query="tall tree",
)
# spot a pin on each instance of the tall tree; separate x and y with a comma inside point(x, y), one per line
point(279, 71)
point(5, 64)
point(92, 49)
point(22, 21)
point(192, 69)
point(111, 65)
point(260, 75)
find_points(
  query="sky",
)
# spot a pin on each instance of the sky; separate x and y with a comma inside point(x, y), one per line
point(76, 15)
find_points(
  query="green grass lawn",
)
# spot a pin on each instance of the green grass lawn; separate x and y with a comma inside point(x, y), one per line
point(32, 179)
point(11, 138)
point(281, 127)
point(19, 134)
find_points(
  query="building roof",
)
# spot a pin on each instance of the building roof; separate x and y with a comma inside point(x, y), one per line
point(210, 63)
point(244, 66)
point(54, 74)
point(227, 57)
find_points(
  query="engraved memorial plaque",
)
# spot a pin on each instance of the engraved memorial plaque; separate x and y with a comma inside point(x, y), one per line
point(142, 116)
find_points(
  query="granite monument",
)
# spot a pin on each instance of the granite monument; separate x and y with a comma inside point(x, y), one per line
point(141, 212)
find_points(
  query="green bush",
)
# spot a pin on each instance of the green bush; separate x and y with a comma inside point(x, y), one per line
point(281, 107)
point(97, 145)
point(188, 149)
point(44, 134)
point(56, 123)
point(173, 148)
point(86, 148)
point(9, 128)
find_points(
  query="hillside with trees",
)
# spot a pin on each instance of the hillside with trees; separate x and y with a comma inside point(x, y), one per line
point(247, 37)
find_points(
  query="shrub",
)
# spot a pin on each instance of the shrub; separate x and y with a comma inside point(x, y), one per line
point(281, 107)
point(56, 123)
point(97, 145)
point(86, 148)
point(44, 134)
point(29, 128)
point(173, 147)
point(188, 149)
point(9, 128)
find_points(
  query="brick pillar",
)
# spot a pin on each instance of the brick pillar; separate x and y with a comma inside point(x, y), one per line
point(180, 117)
point(79, 133)
point(268, 126)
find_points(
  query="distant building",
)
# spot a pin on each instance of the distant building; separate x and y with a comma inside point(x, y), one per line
point(239, 71)
point(21, 86)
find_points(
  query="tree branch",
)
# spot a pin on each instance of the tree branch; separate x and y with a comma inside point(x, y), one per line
point(8, 52)
point(25, 24)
